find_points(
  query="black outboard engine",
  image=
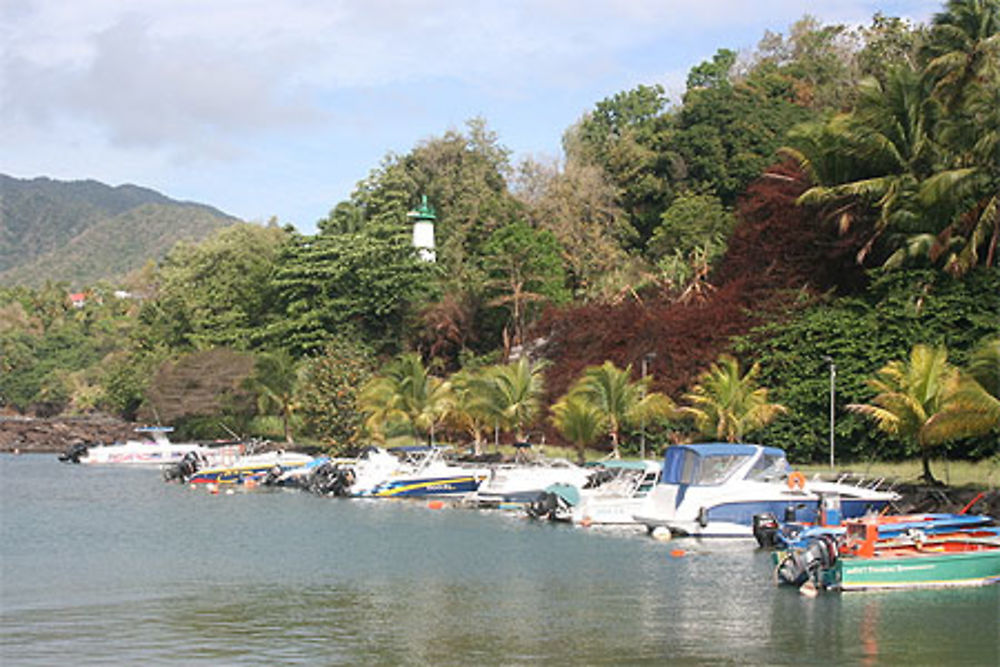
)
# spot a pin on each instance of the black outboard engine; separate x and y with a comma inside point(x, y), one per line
point(800, 565)
point(185, 468)
point(543, 506)
point(331, 479)
point(273, 475)
point(73, 454)
point(766, 530)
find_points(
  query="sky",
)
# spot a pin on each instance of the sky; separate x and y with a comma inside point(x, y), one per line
point(277, 108)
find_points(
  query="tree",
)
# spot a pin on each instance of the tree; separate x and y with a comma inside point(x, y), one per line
point(214, 293)
point(973, 407)
point(365, 283)
point(328, 390)
point(274, 381)
point(618, 399)
point(726, 404)
point(692, 223)
point(525, 270)
point(580, 206)
point(579, 421)
point(513, 394)
point(406, 391)
point(962, 48)
point(909, 395)
point(471, 409)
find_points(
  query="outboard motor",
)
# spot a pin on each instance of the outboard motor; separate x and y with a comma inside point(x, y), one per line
point(184, 469)
point(543, 506)
point(800, 565)
point(766, 530)
point(273, 475)
point(73, 454)
point(330, 479)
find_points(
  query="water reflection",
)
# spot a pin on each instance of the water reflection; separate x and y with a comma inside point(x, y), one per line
point(107, 567)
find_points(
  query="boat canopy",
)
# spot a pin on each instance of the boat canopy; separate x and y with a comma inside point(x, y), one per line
point(713, 463)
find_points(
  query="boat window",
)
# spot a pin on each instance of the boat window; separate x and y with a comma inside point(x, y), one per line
point(768, 468)
point(715, 469)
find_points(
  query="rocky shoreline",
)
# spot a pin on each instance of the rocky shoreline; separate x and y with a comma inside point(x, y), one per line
point(36, 435)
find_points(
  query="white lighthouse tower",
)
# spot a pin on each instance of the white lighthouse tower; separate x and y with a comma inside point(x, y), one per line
point(423, 230)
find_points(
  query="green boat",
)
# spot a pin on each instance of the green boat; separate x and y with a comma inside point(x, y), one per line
point(861, 559)
point(917, 570)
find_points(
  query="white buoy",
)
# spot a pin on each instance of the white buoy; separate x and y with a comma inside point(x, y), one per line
point(661, 534)
point(808, 589)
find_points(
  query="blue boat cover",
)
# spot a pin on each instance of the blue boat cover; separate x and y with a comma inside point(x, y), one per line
point(675, 456)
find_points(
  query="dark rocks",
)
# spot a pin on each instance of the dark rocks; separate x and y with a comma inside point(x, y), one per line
point(24, 434)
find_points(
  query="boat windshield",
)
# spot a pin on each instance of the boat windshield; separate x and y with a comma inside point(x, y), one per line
point(768, 468)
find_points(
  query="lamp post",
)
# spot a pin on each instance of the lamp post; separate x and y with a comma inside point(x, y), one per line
point(833, 392)
point(646, 358)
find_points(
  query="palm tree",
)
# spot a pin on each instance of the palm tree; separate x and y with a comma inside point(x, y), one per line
point(963, 47)
point(274, 380)
point(514, 394)
point(471, 410)
point(406, 391)
point(973, 406)
point(726, 404)
point(578, 421)
point(620, 400)
point(874, 159)
point(910, 396)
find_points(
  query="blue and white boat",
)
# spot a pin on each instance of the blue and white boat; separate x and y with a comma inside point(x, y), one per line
point(716, 489)
point(613, 493)
point(411, 472)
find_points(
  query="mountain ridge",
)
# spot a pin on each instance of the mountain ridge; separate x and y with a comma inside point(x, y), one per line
point(82, 231)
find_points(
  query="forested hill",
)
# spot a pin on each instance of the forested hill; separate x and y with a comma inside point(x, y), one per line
point(85, 231)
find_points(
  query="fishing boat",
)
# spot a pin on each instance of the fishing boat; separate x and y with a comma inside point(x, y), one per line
point(611, 496)
point(154, 450)
point(875, 553)
point(404, 472)
point(716, 489)
point(523, 481)
point(247, 468)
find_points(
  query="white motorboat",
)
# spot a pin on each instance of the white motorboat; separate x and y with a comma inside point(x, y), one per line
point(615, 491)
point(154, 450)
point(716, 489)
point(242, 469)
point(404, 472)
point(527, 478)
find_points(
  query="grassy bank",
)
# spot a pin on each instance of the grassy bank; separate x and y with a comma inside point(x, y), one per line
point(984, 473)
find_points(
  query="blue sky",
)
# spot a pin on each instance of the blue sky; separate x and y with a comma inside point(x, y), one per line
point(278, 107)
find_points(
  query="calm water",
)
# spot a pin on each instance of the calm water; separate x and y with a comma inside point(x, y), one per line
point(114, 566)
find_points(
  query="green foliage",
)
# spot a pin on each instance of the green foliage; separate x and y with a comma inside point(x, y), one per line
point(862, 334)
point(328, 389)
point(525, 270)
point(215, 293)
point(727, 404)
point(693, 222)
point(85, 231)
point(361, 282)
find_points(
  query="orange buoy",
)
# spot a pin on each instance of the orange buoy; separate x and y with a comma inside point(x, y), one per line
point(435, 504)
point(678, 553)
point(586, 521)
point(796, 480)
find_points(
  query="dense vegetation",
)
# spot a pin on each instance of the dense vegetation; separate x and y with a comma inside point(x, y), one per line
point(688, 270)
point(84, 231)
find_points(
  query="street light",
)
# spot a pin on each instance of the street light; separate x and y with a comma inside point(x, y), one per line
point(833, 391)
point(648, 357)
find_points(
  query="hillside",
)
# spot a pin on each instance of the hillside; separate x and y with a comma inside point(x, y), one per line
point(84, 231)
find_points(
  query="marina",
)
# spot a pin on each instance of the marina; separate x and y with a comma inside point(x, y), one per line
point(107, 564)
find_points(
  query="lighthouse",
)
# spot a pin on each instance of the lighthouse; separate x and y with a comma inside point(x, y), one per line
point(423, 230)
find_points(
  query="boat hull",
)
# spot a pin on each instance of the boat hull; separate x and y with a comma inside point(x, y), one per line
point(971, 568)
point(451, 486)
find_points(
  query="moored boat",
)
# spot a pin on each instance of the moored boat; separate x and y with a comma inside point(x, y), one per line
point(248, 468)
point(154, 450)
point(524, 480)
point(870, 554)
point(612, 495)
point(716, 489)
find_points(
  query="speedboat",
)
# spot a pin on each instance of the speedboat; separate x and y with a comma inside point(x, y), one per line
point(527, 478)
point(906, 551)
point(401, 472)
point(612, 495)
point(253, 468)
point(154, 450)
point(716, 489)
